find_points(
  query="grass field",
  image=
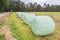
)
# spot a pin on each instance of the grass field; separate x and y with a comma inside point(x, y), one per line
point(2, 37)
point(22, 31)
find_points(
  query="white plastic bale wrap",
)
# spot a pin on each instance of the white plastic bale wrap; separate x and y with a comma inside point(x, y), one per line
point(20, 14)
point(28, 18)
point(42, 25)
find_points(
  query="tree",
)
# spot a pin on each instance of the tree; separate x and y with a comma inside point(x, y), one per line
point(32, 6)
point(3, 5)
point(58, 7)
point(46, 7)
point(53, 8)
point(16, 5)
point(38, 8)
point(11, 5)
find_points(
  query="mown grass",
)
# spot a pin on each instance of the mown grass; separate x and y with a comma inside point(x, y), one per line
point(22, 31)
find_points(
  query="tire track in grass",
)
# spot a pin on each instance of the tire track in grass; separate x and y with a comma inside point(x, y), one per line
point(5, 29)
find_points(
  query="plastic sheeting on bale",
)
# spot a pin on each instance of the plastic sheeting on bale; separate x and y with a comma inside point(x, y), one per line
point(25, 16)
point(42, 25)
point(20, 14)
point(28, 18)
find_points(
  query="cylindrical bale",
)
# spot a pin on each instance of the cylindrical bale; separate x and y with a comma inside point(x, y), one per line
point(25, 16)
point(28, 18)
point(42, 25)
point(20, 14)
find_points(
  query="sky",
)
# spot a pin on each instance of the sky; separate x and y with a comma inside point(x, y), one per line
point(41, 2)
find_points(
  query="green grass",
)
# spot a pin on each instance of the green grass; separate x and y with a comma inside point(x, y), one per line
point(22, 31)
point(2, 37)
point(18, 30)
point(1, 23)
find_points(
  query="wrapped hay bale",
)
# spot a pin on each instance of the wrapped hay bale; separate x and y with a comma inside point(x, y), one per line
point(25, 16)
point(42, 25)
point(28, 18)
point(20, 14)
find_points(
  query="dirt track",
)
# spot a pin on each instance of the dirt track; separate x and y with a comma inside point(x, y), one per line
point(5, 30)
point(4, 14)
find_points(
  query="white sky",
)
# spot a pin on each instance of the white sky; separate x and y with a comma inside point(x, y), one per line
point(27, 1)
point(42, 1)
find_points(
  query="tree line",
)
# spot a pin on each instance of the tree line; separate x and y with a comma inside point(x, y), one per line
point(12, 5)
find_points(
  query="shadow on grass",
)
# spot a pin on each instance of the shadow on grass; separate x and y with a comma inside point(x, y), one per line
point(23, 23)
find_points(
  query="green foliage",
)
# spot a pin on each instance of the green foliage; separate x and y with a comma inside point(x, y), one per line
point(2, 37)
point(23, 23)
point(12, 5)
point(3, 5)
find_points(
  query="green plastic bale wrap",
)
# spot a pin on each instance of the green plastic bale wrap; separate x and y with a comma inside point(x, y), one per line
point(28, 18)
point(42, 25)
point(20, 14)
